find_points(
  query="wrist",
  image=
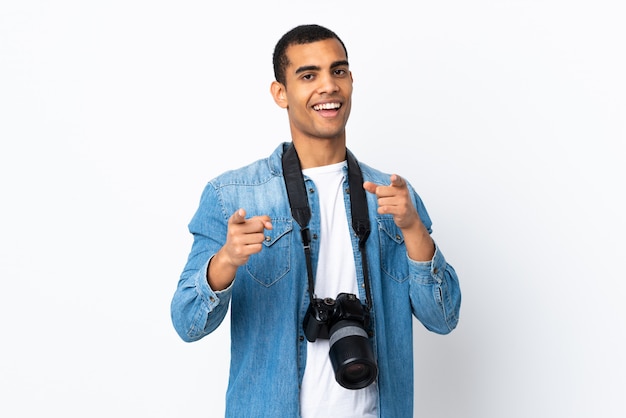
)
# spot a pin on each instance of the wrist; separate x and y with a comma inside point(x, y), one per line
point(419, 244)
point(220, 272)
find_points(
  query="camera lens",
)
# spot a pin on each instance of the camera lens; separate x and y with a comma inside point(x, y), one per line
point(351, 355)
point(356, 372)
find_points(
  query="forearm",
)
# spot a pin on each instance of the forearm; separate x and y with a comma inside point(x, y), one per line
point(419, 244)
point(220, 273)
point(197, 309)
point(435, 293)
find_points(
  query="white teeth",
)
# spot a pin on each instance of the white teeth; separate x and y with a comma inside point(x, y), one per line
point(327, 106)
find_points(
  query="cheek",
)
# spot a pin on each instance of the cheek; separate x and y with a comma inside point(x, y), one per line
point(298, 103)
point(348, 108)
point(297, 114)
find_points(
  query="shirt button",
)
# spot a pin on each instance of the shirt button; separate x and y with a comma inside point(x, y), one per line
point(268, 238)
point(301, 338)
point(314, 236)
point(435, 270)
point(311, 190)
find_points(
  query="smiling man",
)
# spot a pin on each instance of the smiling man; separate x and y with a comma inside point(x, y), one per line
point(322, 259)
point(316, 89)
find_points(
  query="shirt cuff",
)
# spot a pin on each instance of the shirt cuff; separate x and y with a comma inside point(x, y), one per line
point(427, 271)
point(211, 297)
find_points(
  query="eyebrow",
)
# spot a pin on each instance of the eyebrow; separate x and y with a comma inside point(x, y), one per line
point(318, 68)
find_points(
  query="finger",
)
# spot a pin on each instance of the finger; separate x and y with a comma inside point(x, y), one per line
point(251, 238)
point(265, 221)
point(238, 217)
point(250, 225)
point(370, 187)
point(397, 181)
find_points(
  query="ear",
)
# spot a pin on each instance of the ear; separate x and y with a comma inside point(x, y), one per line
point(279, 94)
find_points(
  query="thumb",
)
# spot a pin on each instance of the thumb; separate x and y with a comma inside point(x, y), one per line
point(370, 187)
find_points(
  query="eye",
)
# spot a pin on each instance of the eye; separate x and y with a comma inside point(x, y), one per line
point(340, 72)
point(307, 76)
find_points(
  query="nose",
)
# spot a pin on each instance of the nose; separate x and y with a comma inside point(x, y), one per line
point(327, 85)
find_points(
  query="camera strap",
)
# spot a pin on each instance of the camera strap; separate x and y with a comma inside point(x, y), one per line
point(301, 212)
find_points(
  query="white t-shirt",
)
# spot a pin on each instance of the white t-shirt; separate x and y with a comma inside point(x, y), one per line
point(321, 395)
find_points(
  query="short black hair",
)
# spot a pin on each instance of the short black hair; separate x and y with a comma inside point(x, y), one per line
point(303, 34)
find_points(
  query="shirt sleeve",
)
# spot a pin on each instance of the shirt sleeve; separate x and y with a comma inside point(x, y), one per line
point(434, 287)
point(435, 293)
point(196, 309)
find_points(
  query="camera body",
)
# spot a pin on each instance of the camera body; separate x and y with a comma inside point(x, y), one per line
point(344, 322)
point(322, 314)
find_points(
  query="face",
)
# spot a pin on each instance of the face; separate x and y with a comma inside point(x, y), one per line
point(318, 90)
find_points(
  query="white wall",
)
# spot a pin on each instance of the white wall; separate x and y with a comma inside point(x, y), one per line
point(509, 117)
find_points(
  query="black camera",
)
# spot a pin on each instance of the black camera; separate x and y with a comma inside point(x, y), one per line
point(344, 321)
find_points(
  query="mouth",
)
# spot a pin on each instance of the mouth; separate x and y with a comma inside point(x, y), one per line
point(327, 106)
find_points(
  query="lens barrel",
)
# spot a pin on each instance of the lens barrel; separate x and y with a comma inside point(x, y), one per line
point(351, 355)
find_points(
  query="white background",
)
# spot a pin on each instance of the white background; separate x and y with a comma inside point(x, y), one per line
point(509, 117)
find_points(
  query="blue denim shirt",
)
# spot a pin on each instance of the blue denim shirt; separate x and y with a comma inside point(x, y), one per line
point(269, 298)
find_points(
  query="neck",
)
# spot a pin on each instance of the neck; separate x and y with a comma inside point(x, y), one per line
point(320, 152)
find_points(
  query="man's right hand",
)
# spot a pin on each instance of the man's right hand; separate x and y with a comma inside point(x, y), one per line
point(243, 238)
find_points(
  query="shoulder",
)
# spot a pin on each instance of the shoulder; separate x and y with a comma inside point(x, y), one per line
point(256, 173)
point(374, 175)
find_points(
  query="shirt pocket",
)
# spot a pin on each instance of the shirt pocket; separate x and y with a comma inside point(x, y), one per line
point(273, 262)
point(392, 250)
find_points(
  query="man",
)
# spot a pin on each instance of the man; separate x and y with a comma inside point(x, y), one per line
point(280, 239)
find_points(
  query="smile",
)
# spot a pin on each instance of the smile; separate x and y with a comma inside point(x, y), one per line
point(327, 106)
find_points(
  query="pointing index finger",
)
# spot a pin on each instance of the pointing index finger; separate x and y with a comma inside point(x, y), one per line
point(397, 181)
point(239, 216)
